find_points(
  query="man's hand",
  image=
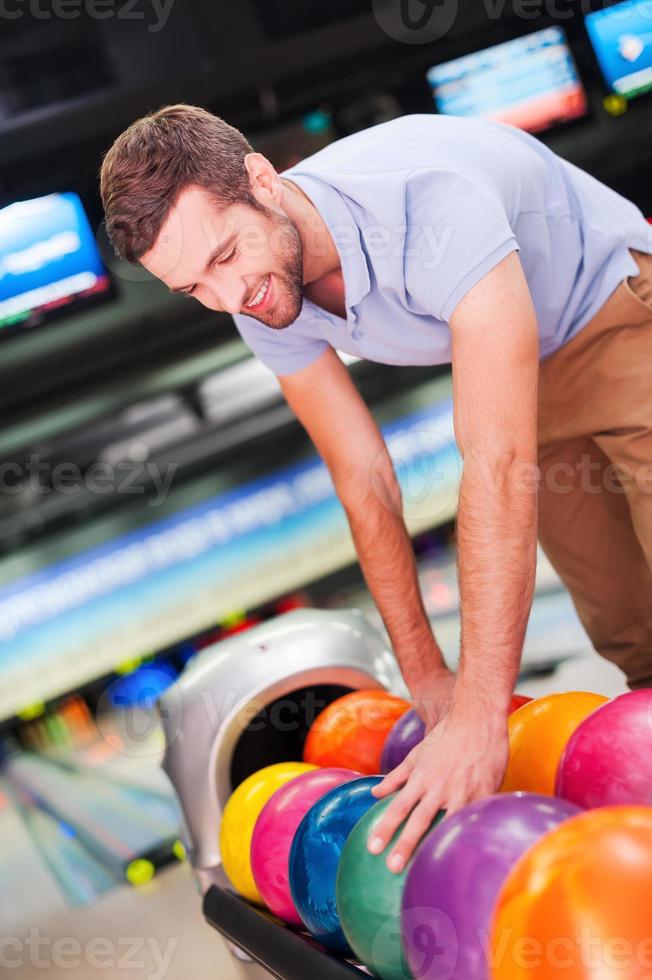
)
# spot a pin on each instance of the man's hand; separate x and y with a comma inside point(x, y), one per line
point(432, 695)
point(461, 759)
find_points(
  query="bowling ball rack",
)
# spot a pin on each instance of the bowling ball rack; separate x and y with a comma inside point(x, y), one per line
point(283, 952)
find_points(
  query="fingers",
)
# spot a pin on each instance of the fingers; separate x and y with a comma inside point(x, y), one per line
point(418, 810)
point(397, 811)
point(431, 778)
point(418, 824)
point(459, 802)
point(393, 781)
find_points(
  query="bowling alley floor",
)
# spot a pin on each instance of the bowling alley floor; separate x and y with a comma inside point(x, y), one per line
point(153, 933)
point(156, 932)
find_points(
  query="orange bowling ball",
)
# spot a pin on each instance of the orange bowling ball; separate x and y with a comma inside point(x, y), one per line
point(577, 904)
point(350, 733)
point(538, 733)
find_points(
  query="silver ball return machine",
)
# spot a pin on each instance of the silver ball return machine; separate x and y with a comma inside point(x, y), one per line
point(245, 703)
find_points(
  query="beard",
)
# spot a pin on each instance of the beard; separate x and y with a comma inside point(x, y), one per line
point(288, 277)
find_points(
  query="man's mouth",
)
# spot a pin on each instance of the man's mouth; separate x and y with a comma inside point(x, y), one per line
point(260, 299)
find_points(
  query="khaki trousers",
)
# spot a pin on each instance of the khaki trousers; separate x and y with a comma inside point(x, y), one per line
point(595, 458)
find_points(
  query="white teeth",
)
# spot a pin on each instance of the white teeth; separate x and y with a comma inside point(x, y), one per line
point(260, 295)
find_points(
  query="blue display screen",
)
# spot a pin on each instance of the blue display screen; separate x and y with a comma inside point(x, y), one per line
point(48, 259)
point(530, 82)
point(622, 40)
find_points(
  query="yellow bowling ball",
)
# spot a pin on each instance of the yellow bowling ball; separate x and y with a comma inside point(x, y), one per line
point(239, 819)
point(538, 733)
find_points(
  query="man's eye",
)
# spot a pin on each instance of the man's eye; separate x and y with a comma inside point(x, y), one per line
point(228, 258)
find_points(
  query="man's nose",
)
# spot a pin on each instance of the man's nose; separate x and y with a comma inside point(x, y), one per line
point(231, 295)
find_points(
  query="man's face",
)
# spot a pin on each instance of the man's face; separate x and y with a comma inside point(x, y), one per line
point(233, 259)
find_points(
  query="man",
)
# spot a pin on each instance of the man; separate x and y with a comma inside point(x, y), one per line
point(421, 241)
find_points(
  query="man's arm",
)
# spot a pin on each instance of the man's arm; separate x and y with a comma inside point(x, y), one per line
point(495, 373)
point(345, 434)
point(495, 377)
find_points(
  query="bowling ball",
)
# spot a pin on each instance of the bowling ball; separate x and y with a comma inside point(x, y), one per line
point(577, 904)
point(608, 759)
point(406, 733)
point(457, 874)
point(315, 855)
point(368, 897)
point(239, 819)
point(409, 730)
point(518, 700)
point(275, 830)
point(538, 733)
point(351, 731)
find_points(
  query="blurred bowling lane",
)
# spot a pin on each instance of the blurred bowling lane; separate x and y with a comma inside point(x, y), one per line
point(25, 881)
point(115, 823)
point(79, 875)
point(160, 922)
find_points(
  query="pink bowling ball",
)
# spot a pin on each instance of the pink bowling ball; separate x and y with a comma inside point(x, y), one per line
point(608, 759)
point(275, 829)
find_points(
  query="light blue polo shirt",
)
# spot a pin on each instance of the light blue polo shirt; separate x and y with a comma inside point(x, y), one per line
point(421, 208)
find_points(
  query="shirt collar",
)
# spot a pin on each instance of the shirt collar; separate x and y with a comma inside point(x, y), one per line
point(345, 233)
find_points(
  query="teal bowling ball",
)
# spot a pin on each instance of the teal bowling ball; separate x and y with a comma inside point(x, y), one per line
point(368, 897)
point(315, 855)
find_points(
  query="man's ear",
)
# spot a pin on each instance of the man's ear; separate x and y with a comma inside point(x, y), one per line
point(265, 183)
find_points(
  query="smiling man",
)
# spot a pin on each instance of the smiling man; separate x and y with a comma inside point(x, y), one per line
point(429, 240)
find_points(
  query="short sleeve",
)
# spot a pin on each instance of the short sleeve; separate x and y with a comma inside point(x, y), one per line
point(457, 230)
point(282, 351)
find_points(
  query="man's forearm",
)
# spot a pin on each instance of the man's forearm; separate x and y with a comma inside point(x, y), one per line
point(496, 536)
point(387, 560)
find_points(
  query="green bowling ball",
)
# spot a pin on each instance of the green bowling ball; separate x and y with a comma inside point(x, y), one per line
point(369, 900)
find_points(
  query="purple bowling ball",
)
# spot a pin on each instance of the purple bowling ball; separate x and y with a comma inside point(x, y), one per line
point(456, 876)
point(407, 732)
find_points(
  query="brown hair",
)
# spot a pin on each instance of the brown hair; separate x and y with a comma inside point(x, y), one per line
point(153, 160)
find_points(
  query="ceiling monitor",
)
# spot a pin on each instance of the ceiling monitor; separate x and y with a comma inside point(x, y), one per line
point(530, 82)
point(621, 36)
point(49, 261)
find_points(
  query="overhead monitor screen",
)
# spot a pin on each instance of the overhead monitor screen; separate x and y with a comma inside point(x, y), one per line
point(622, 40)
point(530, 82)
point(49, 261)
